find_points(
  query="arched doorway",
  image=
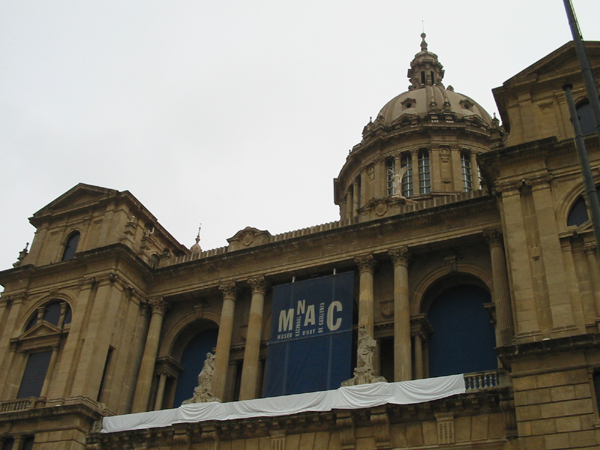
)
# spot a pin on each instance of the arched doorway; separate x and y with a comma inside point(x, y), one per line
point(463, 337)
point(192, 360)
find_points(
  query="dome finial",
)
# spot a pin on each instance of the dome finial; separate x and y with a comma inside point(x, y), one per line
point(198, 235)
point(423, 43)
point(196, 247)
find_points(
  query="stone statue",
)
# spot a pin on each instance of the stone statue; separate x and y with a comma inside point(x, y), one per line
point(203, 392)
point(364, 374)
point(398, 176)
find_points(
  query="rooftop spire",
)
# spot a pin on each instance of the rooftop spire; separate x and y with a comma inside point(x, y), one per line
point(425, 69)
point(196, 247)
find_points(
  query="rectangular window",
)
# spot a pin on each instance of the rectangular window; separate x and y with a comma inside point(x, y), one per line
point(390, 171)
point(424, 173)
point(407, 179)
point(28, 443)
point(596, 380)
point(8, 444)
point(35, 374)
point(465, 164)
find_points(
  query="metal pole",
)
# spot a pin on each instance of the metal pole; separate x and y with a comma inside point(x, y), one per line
point(586, 69)
point(586, 171)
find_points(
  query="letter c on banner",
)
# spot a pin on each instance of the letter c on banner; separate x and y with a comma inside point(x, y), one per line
point(330, 311)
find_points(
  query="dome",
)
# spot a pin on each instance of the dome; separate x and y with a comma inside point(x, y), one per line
point(431, 99)
point(428, 95)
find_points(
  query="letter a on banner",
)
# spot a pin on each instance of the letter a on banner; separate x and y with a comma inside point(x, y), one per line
point(310, 348)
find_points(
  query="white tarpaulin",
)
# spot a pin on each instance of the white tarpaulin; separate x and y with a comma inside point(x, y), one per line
point(352, 397)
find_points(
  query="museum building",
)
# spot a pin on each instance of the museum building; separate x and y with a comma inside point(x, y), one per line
point(457, 299)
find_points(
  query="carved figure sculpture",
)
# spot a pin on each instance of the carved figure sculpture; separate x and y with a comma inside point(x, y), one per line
point(203, 392)
point(364, 374)
point(398, 176)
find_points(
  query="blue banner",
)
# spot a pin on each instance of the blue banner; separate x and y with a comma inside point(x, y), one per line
point(310, 347)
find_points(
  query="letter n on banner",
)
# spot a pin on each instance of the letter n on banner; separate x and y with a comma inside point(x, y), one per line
point(310, 348)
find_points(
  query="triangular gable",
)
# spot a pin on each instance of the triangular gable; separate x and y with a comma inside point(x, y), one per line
point(77, 196)
point(39, 330)
point(561, 59)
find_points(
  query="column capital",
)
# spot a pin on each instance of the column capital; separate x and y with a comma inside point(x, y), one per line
point(493, 237)
point(366, 263)
point(258, 284)
point(400, 255)
point(229, 289)
point(158, 305)
point(589, 248)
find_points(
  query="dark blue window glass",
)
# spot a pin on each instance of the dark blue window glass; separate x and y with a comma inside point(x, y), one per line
point(35, 374)
point(463, 338)
point(28, 443)
point(52, 313)
point(586, 118)
point(578, 214)
point(192, 361)
point(71, 246)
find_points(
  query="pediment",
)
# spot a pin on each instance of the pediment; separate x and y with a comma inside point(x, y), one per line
point(563, 59)
point(585, 227)
point(79, 195)
point(42, 329)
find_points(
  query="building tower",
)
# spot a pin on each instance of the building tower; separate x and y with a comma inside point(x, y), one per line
point(422, 144)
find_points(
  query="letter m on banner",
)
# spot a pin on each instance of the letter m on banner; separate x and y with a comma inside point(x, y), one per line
point(310, 348)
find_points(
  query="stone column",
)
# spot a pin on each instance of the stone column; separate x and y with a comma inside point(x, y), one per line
point(160, 393)
point(504, 317)
point(380, 179)
point(49, 372)
point(349, 204)
point(230, 292)
point(414, 154)
point(355, 198)
point(402, 344)
point(142, 390)
point(366, 267)
point(475, 171)
point(251, 367)
point(418, 356)
point(594, 268)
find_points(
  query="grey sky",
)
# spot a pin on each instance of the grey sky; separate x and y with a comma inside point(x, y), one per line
point(229, 113)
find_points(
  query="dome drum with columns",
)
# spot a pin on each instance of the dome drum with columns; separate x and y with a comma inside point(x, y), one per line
point(423, 143)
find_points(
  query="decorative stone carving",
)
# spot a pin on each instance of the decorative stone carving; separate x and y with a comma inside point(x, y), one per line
point(203, 392)
point(22, 254)
point(400, 255)
point(229, 289)
point(248, 237)
point(158, 305)
point(366, 263)
point(364, 374)
point(258, 284)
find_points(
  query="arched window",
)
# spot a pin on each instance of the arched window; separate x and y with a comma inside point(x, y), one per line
point(424, 173)
point(71, 246)
point(578, 214)
point(58, 313)
point(407, 180)
point(192, 361)
point(463, 338)
point(467, 176)
point(586, 117)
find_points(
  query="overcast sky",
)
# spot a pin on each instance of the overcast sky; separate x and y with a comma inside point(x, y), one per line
point(230, 113)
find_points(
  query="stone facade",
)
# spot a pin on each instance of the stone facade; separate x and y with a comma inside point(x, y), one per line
point(436, 199)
